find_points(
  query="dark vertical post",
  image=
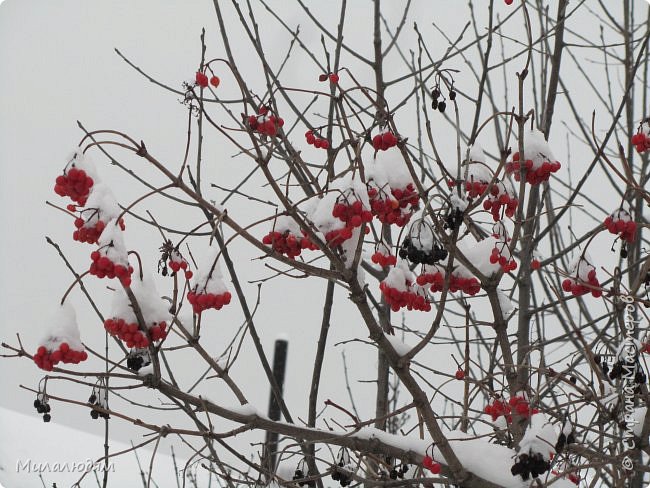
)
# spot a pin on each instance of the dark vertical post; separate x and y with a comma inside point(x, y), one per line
point(279, 368)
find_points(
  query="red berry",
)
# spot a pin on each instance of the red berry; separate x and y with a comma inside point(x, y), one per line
point(214, 81)
point(201, 79)
point(334, 78)
point(460, 374)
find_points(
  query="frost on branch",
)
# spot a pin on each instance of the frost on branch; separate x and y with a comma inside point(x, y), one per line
point(62, 342)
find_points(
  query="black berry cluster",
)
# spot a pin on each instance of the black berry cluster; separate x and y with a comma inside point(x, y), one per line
point(43, 407)
point(530, 465)
point(341, 475)
point(416, 255)
point(436, 102)
point(564, 440)
point(299, 475)
point(94, 401)
point(620, 366)
point(454, 219)
point(137, 359)
point(342, 471)
point(398, 471)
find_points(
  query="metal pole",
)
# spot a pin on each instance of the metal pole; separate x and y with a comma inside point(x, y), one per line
point(279, 368)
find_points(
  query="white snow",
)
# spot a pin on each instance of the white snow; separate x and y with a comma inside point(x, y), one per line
point(111, 244)
point(101, 205)
point(506, 304)
point(208, 278)
point(154, 308)
point(77, 159)
point(390, 167)
point(537, 149)
point(400, 347)
point(540, 437)
point(63, 328)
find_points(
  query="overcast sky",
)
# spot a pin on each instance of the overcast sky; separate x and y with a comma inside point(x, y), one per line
point(59, 67)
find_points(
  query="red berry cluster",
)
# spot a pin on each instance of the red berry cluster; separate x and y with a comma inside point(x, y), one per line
point(384, 260)
point(436, 280)
point(398, 299)
point(577, 288)
point(396, 210)
point(431, 465)
point(265, 123)
point(202, 80)
point(90, 234)
point(287, 243)
point(506, 264)
point(471, 285)
point(74, 183)
point(353, 215)
point(46, 359)
point(534, 176)
point(620, 223)
point(128, 332)
point(103, 267)
point(205, 301)
point(498, 199)
point(339, 236)
point(641, 141)
point(518, 404)
point(384, 141)
point(176, 265)
point(473, 188)
point(316, 141)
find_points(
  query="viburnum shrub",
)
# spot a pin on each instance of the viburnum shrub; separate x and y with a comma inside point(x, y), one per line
point(416, 231)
